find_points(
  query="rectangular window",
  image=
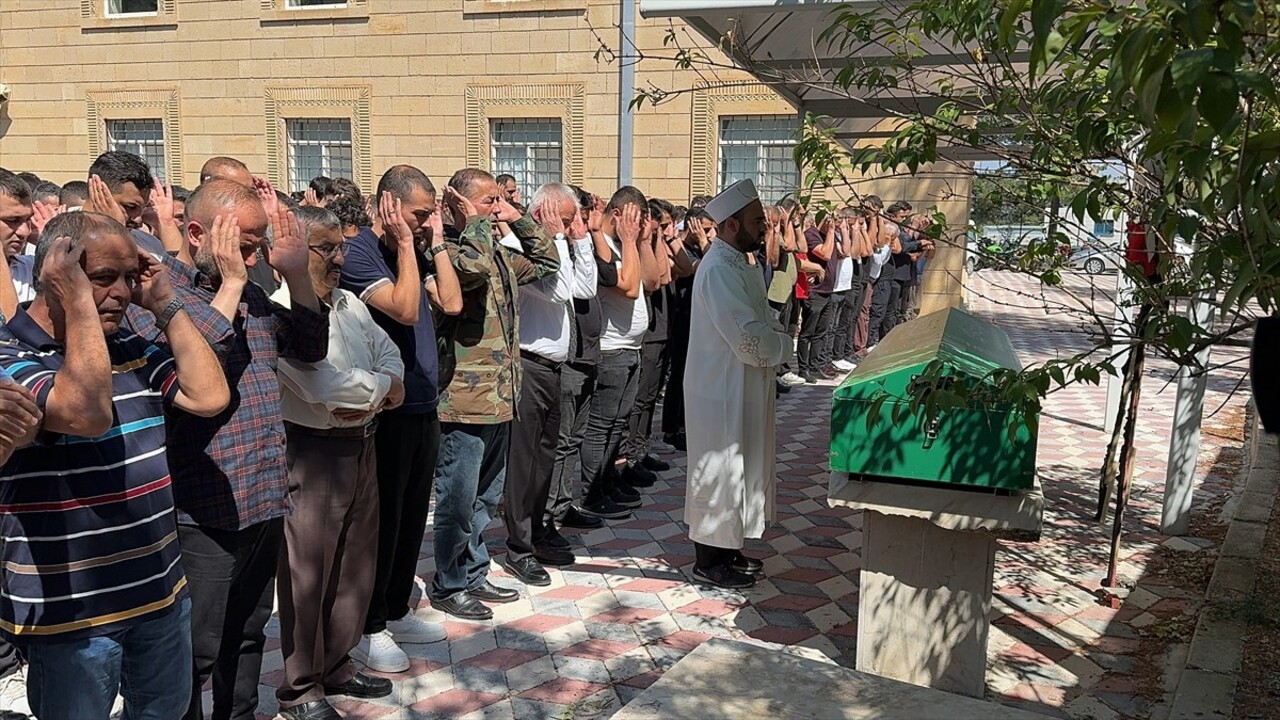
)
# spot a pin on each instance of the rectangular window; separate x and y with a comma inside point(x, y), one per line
point(531, 150)
point(131, 7)
point(1104, 228)
point(759, 148)
point(144, 138)
point(292, 4)
point(318, 147)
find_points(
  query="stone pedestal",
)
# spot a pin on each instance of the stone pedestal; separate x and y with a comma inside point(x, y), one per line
point(928, 561)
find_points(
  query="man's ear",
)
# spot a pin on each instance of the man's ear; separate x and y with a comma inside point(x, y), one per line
point(195, 233)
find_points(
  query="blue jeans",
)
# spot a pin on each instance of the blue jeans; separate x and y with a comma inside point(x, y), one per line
point(149, 664)
point(470, 473)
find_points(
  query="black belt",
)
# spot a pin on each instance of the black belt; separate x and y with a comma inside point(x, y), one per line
point(539, 360)
point(363, 431)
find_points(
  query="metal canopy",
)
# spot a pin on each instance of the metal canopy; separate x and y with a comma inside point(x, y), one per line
point(779, 41)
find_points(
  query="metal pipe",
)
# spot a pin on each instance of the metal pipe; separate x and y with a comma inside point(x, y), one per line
point(626, 90)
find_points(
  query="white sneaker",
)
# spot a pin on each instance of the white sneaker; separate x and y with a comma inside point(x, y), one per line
point(413, 629)
point(379, 652)
point(844, 365)
point(13, 693)
point(792, 380)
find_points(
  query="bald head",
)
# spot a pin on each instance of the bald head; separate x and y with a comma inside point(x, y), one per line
point(230, 201)
point(218, 197)
point(226, 168)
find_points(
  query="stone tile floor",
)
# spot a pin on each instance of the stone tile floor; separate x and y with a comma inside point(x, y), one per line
point(609, 626)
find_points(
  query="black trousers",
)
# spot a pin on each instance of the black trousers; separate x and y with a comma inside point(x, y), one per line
point(847, 323)
point(617, 379)
point(577, 386)
point(709, 556)
point(819, 312)
point(885, 300)
point(677, 352)
point(407, 447)
point(654, 362)
point(10, 660)
point(531, 455)
point(836, 309)
point(784, 310)
point(231, 578)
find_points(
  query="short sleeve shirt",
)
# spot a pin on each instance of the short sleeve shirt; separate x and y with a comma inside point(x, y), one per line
point(90, 541)
point(368, 265)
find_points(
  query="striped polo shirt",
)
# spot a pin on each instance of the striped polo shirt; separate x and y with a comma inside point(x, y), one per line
point(90, 539)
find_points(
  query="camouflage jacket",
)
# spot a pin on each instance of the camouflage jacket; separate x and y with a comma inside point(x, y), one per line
point(479, 348)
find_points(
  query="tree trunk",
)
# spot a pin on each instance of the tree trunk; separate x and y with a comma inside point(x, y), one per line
point(1136, 366)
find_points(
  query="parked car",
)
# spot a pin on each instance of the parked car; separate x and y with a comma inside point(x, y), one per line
point(1096, 259)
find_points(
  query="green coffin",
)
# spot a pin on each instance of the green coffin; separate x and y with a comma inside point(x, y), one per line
point(969, 447)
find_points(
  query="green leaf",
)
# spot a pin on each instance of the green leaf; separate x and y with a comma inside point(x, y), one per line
point(1189, 68)
point(1199, 20)
point(1219, 98)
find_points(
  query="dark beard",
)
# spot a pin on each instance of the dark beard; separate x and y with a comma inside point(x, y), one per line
point(207, 265)
point(745, 242)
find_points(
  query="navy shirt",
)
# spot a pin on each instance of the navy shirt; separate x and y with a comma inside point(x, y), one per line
point(90, 541)
point(369, 265)
point(903, 265)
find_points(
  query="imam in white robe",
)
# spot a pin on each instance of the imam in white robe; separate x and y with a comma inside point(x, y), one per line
point(735, 344)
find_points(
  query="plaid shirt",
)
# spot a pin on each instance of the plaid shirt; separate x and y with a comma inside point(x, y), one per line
point(229, 470)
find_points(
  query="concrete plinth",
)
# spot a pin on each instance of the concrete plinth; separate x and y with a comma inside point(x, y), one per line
point(729, 680)
point(928, 563)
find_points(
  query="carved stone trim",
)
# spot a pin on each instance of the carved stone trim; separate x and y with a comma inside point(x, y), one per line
point(163, 105)
point(166, 11)
point(352, 102)
point(566, 101)
point(709, 104)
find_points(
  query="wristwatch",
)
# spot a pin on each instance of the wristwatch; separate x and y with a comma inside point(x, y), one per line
point(438, 249)
point(165, 315)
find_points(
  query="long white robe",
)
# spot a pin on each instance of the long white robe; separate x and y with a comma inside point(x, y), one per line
point(735, 344)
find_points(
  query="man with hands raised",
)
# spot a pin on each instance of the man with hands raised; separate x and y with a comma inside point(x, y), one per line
point(480, 351)
point(400, 268)
point(91, 502)
point(230, 475)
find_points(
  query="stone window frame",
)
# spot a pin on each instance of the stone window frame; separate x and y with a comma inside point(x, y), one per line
point(164, 104)
point(277, 10)
point(709, 104)
point(566, 101)
point(352, 102)
point(93, 16)
point(480, 7)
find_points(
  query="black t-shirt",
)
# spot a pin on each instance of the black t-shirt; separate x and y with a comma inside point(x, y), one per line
point(903, 265)
point(369, 264)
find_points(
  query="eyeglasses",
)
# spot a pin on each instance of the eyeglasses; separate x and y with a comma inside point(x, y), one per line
point(327, 251)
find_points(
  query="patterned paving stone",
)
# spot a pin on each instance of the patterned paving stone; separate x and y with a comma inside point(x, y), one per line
point(613, 623)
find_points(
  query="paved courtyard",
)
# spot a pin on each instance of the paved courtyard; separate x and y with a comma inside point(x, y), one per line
point(609, 626)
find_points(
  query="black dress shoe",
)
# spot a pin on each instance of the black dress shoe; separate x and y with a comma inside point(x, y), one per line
point(781, 387)
point(625, 497)
point(744, 564)
point(655, 464)
point(551, 538)
point(554, 556)
point(526, 570)
point(575, 518)
point(724, 576)
point(606, 508)
point(828, 374)
point(489, 592)
point(314, 710)
point(639, 476)
point(676, 440)
point(462, 605)
point(361, 686)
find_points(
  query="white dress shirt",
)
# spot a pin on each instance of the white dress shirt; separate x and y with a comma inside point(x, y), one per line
point(544, 304)
point(353, 376)
point(22, 269)
point(625, 320)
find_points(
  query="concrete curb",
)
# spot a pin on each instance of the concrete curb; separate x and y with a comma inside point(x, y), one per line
point(1206, 688)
